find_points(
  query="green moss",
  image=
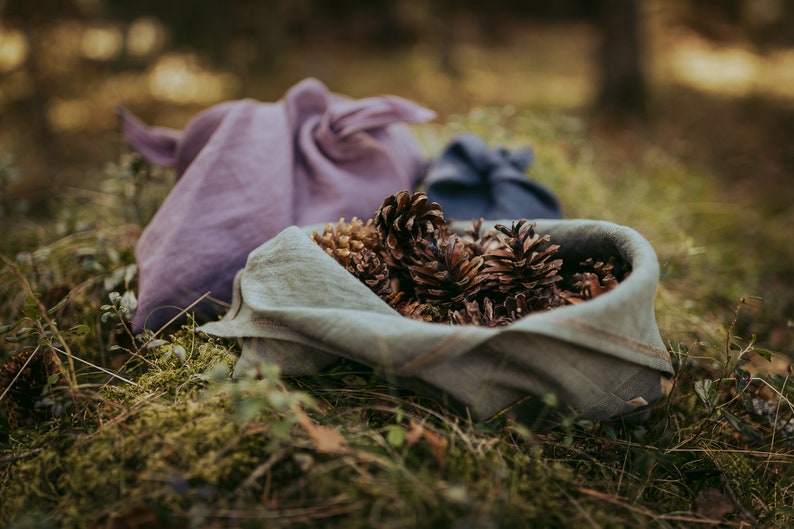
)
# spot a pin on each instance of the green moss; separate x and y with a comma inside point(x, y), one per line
point(174, 454)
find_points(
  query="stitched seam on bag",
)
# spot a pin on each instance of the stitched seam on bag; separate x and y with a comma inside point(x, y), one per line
point(268, 323)
point(649, 350)
point(432, 356)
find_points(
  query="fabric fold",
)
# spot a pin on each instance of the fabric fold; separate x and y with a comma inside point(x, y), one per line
point(158, 145)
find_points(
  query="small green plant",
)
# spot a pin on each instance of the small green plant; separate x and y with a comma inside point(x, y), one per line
point(741, 398)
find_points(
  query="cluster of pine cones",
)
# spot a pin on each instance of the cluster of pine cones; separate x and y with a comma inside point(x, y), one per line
point(407, 255)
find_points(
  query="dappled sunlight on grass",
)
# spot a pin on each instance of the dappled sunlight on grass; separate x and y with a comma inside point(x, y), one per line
point(732, 70)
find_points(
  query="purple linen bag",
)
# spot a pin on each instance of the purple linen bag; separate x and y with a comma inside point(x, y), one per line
point(246, 170)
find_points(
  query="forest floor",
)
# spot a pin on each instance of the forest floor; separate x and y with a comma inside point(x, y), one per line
point(126, 433)
point(114, 431)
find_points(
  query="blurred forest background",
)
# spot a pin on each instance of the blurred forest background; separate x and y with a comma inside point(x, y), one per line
point(712, 81)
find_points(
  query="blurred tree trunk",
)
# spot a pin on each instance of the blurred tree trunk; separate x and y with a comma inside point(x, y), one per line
point(622, 85)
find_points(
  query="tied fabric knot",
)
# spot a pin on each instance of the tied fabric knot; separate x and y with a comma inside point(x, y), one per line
point(246, 170)
point(471, 180)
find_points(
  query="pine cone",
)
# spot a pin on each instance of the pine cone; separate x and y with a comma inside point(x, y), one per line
point(345, 239)
point(354, 245)
point(366, 266)
point(24, 385)
point(609, 273)
point(452, 275)
point(523, 262)
point(587, 284)
point(516, 307)
point(417, 310)
point(407, 223)
point(595, 278)
point(474, 313)
point(477, 242)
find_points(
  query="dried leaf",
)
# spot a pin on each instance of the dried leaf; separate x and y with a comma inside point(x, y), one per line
point(326, 440)
point(667, 385)
point(438, 446)
point(415, 433)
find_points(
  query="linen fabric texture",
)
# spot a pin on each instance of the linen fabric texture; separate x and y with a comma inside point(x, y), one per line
point(472, 180)
point(246, 170)
point(296, 306)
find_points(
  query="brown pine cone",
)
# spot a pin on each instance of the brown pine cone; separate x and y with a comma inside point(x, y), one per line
point(344, 239)
point(483, 314)
point(479, 242)
point(406, 223)
point(595, 278)
point(609, 273)
point(368, 268)
point(523, 262)
point(416, 310)
point(452, 275)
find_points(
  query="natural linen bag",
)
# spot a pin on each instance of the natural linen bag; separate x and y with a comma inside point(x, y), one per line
point(295, 305)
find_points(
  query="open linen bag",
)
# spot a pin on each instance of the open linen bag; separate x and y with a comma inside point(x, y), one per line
point(296, 306)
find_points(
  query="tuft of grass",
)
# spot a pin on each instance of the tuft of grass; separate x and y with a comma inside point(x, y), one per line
point(149, 430)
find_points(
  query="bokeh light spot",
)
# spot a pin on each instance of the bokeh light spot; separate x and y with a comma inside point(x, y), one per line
point(179, 78)
point(67, 114)
point(101, 43)
point(13, 49)
point(145, 37)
